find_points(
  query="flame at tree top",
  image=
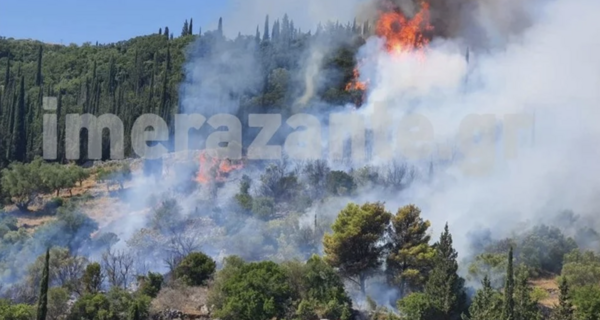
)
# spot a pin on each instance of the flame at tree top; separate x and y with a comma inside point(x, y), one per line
point(401, 34)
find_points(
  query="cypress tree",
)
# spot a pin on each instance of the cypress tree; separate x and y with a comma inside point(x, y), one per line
point(266, 29)
point(564, 310)
point(42, 308)
point(134, 311)
point(486, 303)
point(19, 144)
point(7, 74)
point(257, 37)
point(200, 31)
point(220, 30)
point(191, 28)
point(508, 312)
point(445, 288)
point(38, 75)
point(167, 33)
point(525, 307)
point(160, 31)
point(185, 29)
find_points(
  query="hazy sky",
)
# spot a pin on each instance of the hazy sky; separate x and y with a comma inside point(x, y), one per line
point(77, 21)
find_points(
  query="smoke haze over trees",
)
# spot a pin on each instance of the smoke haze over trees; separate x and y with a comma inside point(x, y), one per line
point(397, 238)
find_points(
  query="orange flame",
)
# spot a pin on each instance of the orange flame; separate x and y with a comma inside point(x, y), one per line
point(356, 84)
point(401, 34)
point(212, 169)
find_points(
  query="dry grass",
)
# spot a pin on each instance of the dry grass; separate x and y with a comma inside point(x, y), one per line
point(549, 285)
point(189, 300)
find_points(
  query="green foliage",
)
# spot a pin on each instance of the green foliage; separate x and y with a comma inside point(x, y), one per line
point(444, 287)
point(263, 207)
point(255, 291)
point(525, 307)
point(416, 306)
point(42, 308)
point(10, 311)
point(116, 304)
point(586, 300)
point(410, 256)
point(581, 268)
point(544, 247)
point(491, 265)
point(58, 303)
point(23, 182)
point(151, 284)
point(195, 269)
point(564, 310)
point(486, 304)
point(354, 247)
point(508, 312)
point(339, 183)
point(92, 278)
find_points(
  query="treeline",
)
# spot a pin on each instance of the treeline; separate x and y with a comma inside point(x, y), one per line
point(425, 277)
point(143, 75)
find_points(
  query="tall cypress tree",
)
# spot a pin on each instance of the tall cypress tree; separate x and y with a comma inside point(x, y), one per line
point(445, 288)
point(564, 310)
point(257, 37)
point(42, 308)
point(7, 74)
point(220, 30)
point(167, 33)
point(525, 307)
point(266, 29)
point(185, 29)
point(38, 74)
point(191, 27)
point(508, 312)
point(487, 303)
point(19, 143)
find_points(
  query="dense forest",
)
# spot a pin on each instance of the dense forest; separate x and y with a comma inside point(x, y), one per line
point(248, 241)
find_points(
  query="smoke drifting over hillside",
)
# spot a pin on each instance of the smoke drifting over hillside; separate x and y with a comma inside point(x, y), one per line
point(543, 64)
point(536, 59)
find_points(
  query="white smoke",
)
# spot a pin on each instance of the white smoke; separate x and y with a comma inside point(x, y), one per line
point(552, 70)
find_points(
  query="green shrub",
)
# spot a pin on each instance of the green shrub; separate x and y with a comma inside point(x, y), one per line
point(195, 269)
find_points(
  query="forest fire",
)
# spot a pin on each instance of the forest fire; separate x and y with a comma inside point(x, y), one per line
point(402, 35)
point(213, 169)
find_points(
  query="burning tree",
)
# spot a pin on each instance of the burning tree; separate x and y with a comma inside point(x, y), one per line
point(402, 35)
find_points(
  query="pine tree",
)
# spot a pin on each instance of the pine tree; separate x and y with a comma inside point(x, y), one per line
point(564, 310)
point(185, 29)
point(410, 254)
point(266, 29)
point(19, 143)
point(38, 74)
point(486, 304)
point(508, 312)
point(445, 288)
point(42, 308)
point(191, 28)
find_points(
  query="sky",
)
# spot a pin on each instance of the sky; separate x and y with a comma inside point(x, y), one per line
point(106, 21)
point(77, 21)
